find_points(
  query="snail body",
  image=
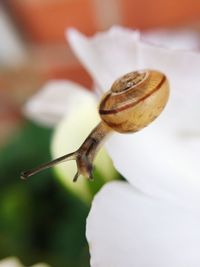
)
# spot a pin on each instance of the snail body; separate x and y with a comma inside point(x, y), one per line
point(133, 102)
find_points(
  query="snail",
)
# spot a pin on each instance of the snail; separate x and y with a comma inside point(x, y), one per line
point(133, 102)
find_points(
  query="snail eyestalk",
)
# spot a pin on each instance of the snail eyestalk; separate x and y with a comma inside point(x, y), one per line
point(25, 174)
point(84, 156)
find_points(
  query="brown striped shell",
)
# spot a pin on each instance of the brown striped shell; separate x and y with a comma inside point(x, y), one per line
point(134, 100)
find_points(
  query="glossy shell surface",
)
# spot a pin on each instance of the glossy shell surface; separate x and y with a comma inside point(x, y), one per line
point(134, 100)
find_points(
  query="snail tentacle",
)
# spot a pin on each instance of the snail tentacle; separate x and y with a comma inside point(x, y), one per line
point(25, 174)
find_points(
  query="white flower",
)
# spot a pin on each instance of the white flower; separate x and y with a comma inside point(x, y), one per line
point(154, 219)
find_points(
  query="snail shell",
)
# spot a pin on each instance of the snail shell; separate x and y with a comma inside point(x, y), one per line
point(134, 100)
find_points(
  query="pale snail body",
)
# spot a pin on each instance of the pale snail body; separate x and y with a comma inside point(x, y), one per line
point(133, 102)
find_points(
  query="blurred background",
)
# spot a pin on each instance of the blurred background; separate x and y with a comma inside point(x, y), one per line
point(40, 221)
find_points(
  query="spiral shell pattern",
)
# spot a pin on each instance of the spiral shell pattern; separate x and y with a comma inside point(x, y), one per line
point(134, 100)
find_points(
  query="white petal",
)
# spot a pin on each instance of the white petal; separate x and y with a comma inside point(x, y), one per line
point(175, 39)
point(183, 110)
point(159, 164)
point(111, 54)
point(107, 55)
point(13, 51)
point(55, 100)
point(162, 159)
point(127, 228)
point(181, 67)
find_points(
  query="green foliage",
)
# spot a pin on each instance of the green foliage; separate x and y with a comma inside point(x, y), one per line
point(39, 219)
